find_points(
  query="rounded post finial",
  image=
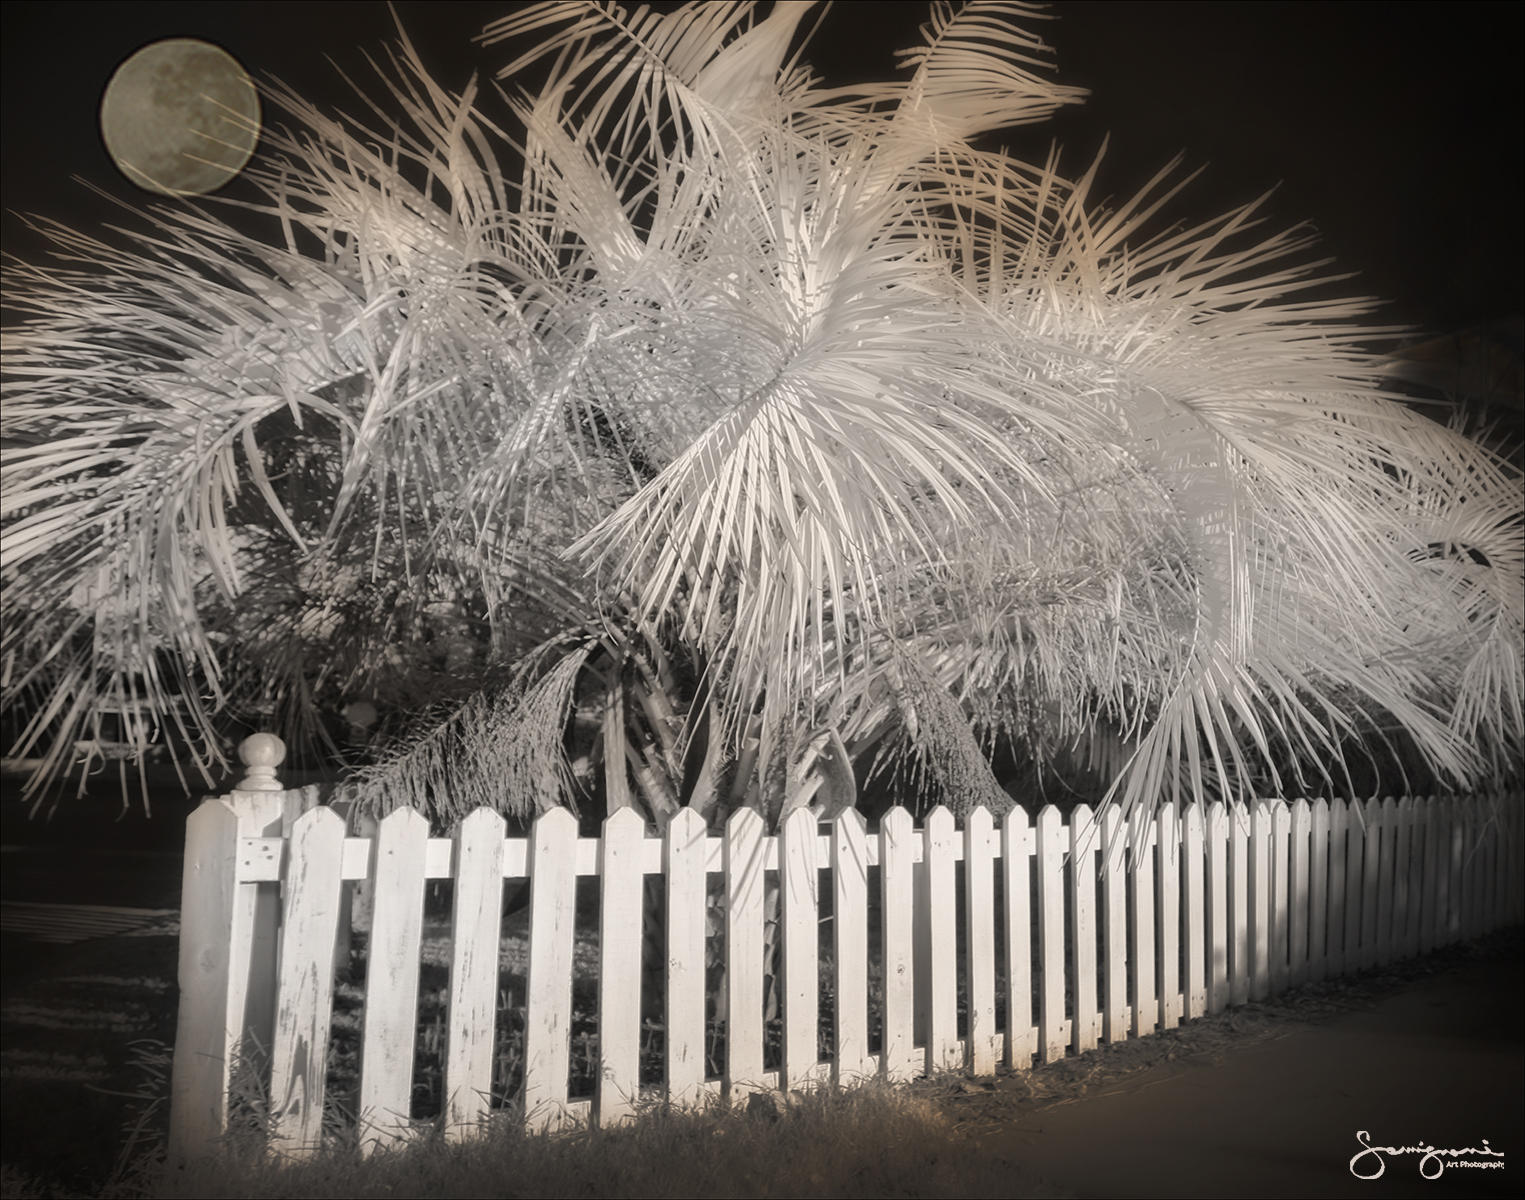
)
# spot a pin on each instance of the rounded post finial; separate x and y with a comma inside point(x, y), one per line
point(261, 754)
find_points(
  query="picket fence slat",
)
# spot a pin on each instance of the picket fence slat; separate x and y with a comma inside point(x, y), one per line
point(1218, 932)
point(1318, 891)
point(1414, 912)
point(1139, 925)
point(897, 840)
point(1194, 906)
point(305, 991)
point(745, 874)
point(1281, 838)
point(800, 906)
point(1260, 903)
point(1371, 868)
point(1385, 868)
point(943, 1051)
point(1355, 860)
point(619, 967)
point(474, 970)
point(1239, 965)
point(1167, 882)
point(1083, 839)
point(1298, 894)
point(548, 991)
point(1339, 820)
point(1146, 996)
point(979, 919)
point(1402, 848)
point(390, 1026)
point(849, 871)
point(1017, 844)
point(1052, 843)
point(1114, 899)
point(684, 984)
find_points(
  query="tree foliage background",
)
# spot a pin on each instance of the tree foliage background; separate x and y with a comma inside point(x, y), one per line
point(783, 433)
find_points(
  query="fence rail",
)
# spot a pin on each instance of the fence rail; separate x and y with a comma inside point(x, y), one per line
point(1050, 935)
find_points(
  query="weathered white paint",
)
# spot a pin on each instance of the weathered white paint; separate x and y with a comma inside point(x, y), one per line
point(1252, 896)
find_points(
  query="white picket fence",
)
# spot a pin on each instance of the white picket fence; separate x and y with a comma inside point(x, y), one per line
point(1074, 932)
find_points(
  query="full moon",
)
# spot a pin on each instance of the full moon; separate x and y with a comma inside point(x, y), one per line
point(180, 117)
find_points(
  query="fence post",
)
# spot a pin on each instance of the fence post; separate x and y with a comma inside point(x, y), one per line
point(210, 1003)
point(258, 800)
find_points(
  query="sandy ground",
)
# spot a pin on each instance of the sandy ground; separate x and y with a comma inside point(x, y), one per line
point(1274, 1107)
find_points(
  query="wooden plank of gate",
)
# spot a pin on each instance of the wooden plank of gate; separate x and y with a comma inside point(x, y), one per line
point(391, 978)
point(477, 864)
point(305, 996)
point(619, 975)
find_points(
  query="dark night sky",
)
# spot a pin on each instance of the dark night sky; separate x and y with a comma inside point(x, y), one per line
point(1394, 129)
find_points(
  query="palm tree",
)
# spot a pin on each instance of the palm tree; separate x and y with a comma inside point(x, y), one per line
point(777, 428)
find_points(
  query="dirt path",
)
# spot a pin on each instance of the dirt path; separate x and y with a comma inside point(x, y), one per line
point(1269, 1104)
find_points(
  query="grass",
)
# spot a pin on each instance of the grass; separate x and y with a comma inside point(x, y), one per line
point(869, 1141)
point(937, 1137)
